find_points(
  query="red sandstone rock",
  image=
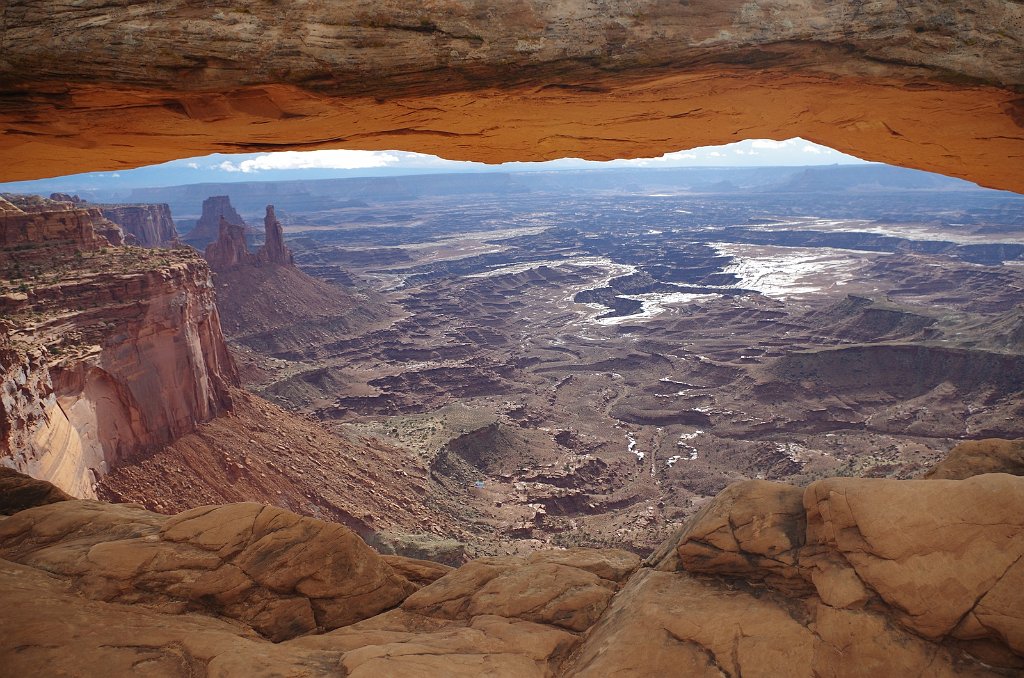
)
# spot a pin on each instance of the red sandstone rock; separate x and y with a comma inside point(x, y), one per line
point(119, 349)
point(229, 251)
point(975, 457)
point(207, 229)
point(151, 225)
point(19, 492)
point(35, 228)
point(274, 250)
point(282, 574)
point(929, 84)
point(924, 551)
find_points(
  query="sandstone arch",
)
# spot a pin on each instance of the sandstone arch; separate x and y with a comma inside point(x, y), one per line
point(913, 83)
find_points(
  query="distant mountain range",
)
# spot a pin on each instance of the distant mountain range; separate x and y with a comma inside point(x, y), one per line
point(322, 194)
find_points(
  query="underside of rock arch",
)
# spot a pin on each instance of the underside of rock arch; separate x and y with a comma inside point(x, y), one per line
point(100, 86)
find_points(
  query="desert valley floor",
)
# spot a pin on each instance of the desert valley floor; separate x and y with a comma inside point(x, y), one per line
point(548, 365)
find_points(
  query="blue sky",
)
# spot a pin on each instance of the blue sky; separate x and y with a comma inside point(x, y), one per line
point(325, 164)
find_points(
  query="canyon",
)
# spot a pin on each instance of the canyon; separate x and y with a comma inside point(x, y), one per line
point(715, 430)
point(532, 357)
point(604, 352)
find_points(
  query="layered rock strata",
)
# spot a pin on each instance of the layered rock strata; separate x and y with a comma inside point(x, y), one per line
point(273, 250)
point(109, 351)
point(150, 225)
point(927, 85)
point(216, 209)
point(34, 229)
point(229, 250)
point(898, 578)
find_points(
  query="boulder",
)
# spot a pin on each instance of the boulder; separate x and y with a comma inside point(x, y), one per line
point(974, 457)
point(281, 574)
point(941, 554)
point(752, 529)
point(19, 492)
point(532, 589)
point(419, 572)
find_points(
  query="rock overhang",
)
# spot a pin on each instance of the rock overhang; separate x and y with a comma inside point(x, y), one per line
point(927, 86)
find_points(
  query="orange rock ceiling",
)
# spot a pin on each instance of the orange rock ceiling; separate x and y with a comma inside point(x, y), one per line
point(98, 87)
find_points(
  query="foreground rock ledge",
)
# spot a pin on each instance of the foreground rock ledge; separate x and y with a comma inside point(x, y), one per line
point(849, 577)
point(97, 86)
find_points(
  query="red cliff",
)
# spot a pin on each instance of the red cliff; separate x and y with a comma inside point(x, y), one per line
point(33, 228)
point(207, 229)
point(229, 250)
point(151, 225)
point(110, 351)
point(274, 250)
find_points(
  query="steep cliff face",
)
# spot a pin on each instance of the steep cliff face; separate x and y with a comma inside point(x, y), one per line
point(273, 250)
point(111, 351)
point(229, 250)
point(33, 228)
point(924, 84)
point(151, 225)
point(215, 209)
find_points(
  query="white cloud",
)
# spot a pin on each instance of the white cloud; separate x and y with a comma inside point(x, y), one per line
point(193, 165)
point(812, 149)
point(770, 143)
point(288, 160)
point(115, 175)
point(716, 154)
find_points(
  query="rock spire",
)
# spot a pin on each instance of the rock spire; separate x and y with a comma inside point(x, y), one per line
point(274, 250)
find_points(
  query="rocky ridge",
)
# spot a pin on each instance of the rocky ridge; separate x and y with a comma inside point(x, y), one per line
point(767, 580)
point(34, 229)
point(230, 251)
point(142, 224)
point(260, 452)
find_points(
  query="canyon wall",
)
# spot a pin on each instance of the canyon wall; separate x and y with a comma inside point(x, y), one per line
point(216, 209)
point(98, 86)
point(34, 228)
point(151, 225)
point(109, 351)
point(230, 251)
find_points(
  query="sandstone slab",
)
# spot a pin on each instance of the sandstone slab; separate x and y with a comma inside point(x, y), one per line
point(282, 574)
point(926, 84)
